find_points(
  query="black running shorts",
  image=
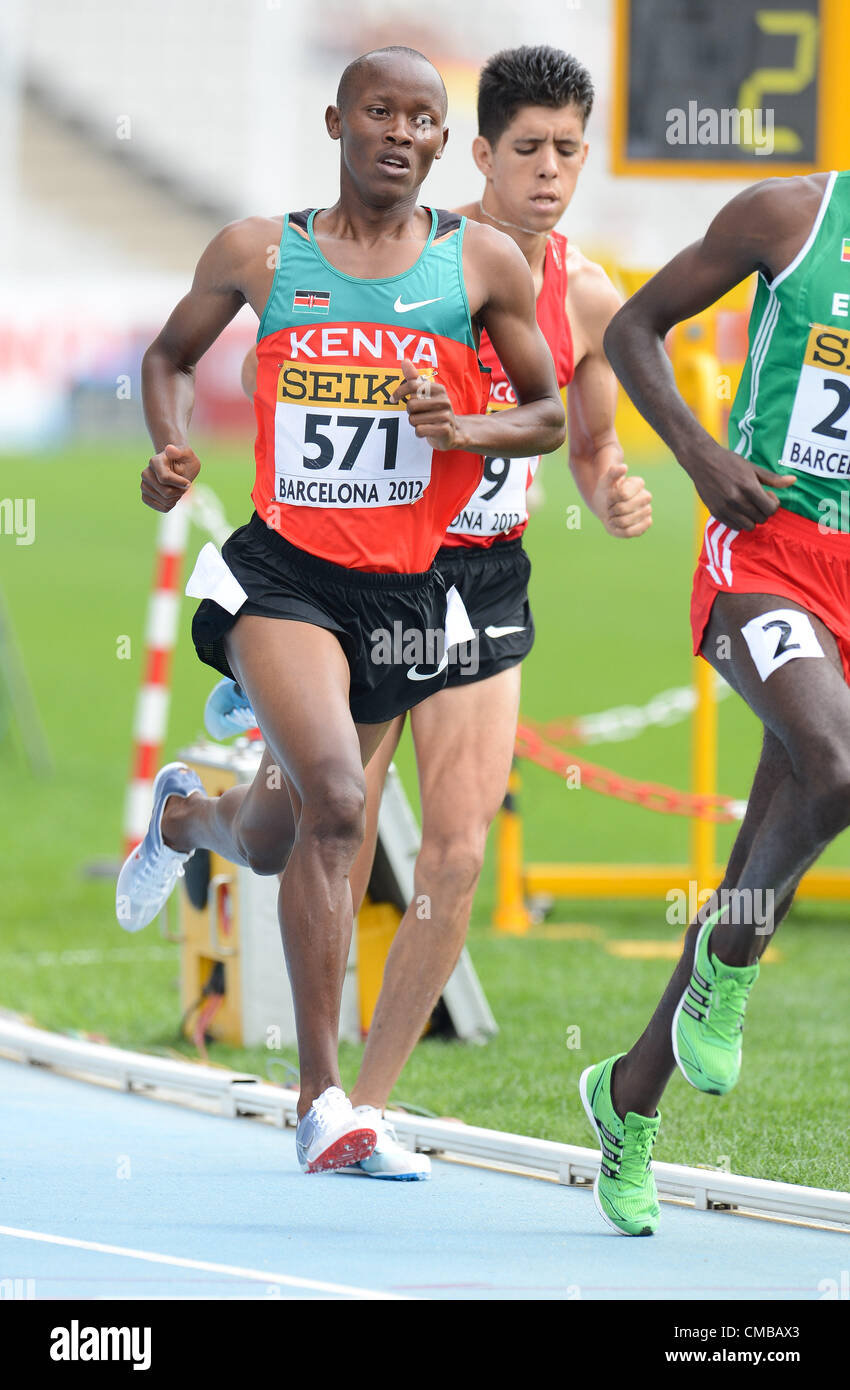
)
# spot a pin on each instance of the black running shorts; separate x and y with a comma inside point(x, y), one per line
point(493, 583)
point(390, 626)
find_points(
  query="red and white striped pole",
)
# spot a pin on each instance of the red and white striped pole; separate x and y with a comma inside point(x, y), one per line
point(151, 718)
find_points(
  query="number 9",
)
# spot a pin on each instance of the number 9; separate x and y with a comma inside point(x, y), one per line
point(497, 476)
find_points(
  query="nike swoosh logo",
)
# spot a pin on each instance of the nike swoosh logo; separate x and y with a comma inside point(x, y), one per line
point(401, 308)
point(502, 631)
point(414, 674)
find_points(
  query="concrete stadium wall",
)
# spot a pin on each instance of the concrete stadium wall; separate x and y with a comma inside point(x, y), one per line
point(228, 98)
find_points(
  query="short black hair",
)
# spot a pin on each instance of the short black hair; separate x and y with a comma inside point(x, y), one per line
point(526, 76)
point(355, 67)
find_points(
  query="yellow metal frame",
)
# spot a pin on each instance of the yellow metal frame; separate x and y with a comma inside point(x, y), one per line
point(376, 926)
point(697, 371)
point(202, 943)
point(833, 111)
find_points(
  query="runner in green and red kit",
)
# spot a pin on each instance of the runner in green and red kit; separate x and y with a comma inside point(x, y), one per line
point(770, 610)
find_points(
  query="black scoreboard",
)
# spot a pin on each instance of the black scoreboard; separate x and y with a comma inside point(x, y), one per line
point(727, 87)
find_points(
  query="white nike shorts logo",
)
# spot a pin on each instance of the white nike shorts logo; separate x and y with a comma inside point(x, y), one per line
point(414, 674)
point(502, 631)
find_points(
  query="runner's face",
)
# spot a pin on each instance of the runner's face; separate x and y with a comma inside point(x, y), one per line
point(392, 131)
point(532, 170)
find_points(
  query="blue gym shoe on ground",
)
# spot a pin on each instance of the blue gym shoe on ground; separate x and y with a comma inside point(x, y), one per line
point(228, 711)
point(150, 872)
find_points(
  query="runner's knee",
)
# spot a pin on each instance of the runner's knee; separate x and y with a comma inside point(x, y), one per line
point(334, 806)
point(451, 864)
point(829, 800)
point(821, 762)
point(266, 848)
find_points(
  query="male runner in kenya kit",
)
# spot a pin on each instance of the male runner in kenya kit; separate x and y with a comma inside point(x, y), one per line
point(370, 438)
point(770, 610)
point(533, 106)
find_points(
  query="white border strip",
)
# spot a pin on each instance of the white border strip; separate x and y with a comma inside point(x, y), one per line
point(711, 549)
point(241, 1094)
point(760, 349)
point(810, 239)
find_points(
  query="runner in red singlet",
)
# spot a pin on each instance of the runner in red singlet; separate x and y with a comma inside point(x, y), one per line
point(498, 511)
point(533, 106)
point(370, 437)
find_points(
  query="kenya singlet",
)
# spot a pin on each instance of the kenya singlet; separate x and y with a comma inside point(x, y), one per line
point(340, 471)
point(791, 413)
point(497, 511)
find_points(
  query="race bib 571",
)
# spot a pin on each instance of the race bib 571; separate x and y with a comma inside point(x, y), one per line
point(340, 441)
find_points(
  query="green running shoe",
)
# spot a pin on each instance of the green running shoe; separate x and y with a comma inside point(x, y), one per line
point(708, 1023)
point(624, 1189)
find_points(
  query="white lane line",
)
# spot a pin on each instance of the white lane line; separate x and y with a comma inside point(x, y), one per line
point(262, 1276)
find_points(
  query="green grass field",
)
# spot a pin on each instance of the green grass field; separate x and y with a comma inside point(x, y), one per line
point(612, 630)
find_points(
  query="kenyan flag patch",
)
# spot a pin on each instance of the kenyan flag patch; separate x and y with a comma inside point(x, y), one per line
point(311, 302)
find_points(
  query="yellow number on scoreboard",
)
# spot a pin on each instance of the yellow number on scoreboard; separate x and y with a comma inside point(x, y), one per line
point(730, 91)
point(804, 26)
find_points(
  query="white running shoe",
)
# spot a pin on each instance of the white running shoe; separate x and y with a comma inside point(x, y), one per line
point(150, 872)
point(332, 1135)
point(389, 1159)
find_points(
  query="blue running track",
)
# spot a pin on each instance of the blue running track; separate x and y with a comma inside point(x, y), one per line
point(196, 1206)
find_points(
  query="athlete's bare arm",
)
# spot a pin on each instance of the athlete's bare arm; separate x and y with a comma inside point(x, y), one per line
point(249, 373)
point(622, 503)
point(233, 270)
point(761, 229)
point(501, 297)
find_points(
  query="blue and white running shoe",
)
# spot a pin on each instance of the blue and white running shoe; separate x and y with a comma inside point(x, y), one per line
point(152, 869)
point(388, 1160)
point(228, 711)
point(331, 1134)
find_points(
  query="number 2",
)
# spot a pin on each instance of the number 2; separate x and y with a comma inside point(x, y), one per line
point(804, 27)
point(827, 424)
point(784, 633)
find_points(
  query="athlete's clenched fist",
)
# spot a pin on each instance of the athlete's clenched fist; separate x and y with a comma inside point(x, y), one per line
point(622, 503)
point(428, 408)
point(168, 475)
